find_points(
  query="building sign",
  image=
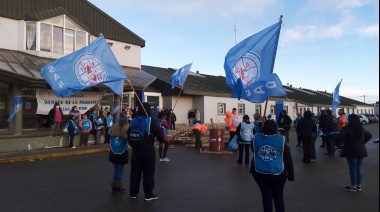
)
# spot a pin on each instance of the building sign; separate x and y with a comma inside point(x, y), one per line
point(84, 100)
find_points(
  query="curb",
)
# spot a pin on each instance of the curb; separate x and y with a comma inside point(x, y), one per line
point(52, 155)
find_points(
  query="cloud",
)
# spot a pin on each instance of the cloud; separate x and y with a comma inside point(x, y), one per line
point(328, 5)
point(313, 32)
point(369, 31)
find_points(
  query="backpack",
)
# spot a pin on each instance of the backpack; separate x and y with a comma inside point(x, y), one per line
point(139, 129)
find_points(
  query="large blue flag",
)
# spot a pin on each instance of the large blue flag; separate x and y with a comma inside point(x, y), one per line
point(17, 105)
point(92, 65)
point(178, 78)
point(249, 66)
point(336, 98)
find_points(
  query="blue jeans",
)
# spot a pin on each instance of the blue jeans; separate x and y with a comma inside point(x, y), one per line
point(355, 167)
point(117, 172)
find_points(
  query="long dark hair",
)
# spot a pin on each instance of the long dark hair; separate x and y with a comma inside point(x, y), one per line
point(355, 124)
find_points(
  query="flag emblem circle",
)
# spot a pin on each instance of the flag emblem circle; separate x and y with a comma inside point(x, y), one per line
point(247, 68)
point(267, 153)
point(89, 70)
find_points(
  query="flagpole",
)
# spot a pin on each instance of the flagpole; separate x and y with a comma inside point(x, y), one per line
point(292, 107)
point(138, 98)
point(265, 110)
point(181, 88)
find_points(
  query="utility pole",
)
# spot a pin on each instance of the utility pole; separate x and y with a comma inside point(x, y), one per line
point(364, 98)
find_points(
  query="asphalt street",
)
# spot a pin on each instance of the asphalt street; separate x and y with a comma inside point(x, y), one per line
point(189, 182)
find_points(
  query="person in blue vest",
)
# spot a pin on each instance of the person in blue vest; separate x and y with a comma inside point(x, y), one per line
point(92, 117)
point(271, 166)
point(108, 121)
point(118, 154)
point(143, 158)
point(98, 125)
point(245, 133)
point(85, 125)
point(72, 129)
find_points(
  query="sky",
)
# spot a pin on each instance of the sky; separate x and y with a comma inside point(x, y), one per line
point(321, 42)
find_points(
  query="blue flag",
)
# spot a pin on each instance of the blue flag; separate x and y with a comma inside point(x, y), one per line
point(17, 105)
point(336, 98)
point(178, 78)
point(249, 66)
point(92, 65)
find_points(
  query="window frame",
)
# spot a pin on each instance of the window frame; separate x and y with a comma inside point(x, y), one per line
point(221, 106)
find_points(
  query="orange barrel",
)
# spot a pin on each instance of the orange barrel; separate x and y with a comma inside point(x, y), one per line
point(216, 140)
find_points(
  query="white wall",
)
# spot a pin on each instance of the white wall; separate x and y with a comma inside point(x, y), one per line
point(131, 57)
point(181, 109)
point(9, 33)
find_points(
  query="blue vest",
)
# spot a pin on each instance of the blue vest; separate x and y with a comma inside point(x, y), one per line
point(268, 153)
point(246, 131)
point(257, 126)
point(118, 145)
point(86, 124)
point(109, 121)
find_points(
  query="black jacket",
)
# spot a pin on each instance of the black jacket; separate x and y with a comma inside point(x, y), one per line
point(284, 121)
point(353, 146)
point(307, 126)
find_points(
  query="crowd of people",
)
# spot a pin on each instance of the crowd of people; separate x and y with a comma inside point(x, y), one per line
point(268, 140)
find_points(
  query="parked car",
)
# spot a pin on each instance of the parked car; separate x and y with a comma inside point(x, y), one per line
point(375, 117)
point(363, 119)
point(370, 118)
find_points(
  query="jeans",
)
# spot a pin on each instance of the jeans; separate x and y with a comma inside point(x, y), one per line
point(117, 172)
point(84, 139)
point(355, 167)
point(163, 149)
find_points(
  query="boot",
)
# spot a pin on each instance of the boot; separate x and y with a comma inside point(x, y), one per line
point(116, 188)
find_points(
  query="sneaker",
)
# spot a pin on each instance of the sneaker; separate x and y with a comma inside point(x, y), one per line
point(133, 197)
point(154, 197)
point(162, 159)
point(73, 147)
point(359, 188)
point(166, 159)
point(348, 188)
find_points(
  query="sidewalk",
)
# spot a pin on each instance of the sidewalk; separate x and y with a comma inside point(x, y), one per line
point(39, 154)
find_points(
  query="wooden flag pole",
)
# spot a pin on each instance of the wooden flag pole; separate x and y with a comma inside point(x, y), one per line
point(181, 88)
point(292, 106)
point(138, 98)
point(265, 110)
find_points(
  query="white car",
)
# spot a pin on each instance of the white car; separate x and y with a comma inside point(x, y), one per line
point(363, 119)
